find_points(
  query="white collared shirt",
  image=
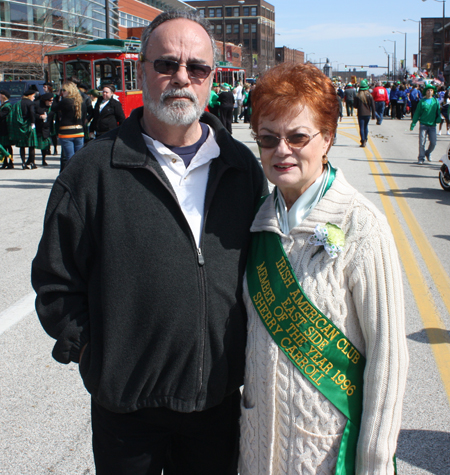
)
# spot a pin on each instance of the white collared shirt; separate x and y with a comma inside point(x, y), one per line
point(188, 183)
point(103, 104)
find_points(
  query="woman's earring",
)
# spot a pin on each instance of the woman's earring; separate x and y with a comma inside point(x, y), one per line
point(325, 159)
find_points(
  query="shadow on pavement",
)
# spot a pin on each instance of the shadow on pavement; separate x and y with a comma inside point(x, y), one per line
point(426, 449)
point(442, 236)
point(27, 184)
point(439, 336)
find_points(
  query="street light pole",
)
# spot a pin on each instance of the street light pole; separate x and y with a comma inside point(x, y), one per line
point(419, 58)
point(387, 54)
point(401, 32)
point(395, 58)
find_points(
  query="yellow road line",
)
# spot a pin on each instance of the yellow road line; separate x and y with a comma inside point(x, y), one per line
point(436, 331)
point(436, 269)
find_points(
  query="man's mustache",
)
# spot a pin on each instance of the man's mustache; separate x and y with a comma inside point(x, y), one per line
point(179, 93)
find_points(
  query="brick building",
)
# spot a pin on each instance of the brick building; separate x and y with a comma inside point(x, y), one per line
point(431, 45)
point(248, 23)
point(288, 55)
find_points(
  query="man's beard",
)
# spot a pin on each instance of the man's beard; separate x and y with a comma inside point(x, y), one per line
point(175, 112)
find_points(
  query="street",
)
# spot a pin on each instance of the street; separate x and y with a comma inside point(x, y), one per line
point(44, 408)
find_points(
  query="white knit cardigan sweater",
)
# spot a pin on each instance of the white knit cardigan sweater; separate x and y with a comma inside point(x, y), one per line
point(287, 425)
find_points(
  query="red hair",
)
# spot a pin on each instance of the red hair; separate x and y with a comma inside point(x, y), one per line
point(287, 85)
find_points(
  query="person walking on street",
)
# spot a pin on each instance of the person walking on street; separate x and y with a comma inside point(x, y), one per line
point(365, 106)
point(5, 141)
point(401, 102)
point(139, 272)
point(445, 112)
point(44, 123)
point(428, 114)
point(226, 107)
point(381, 99)
point(350, 94)
point(414, 96)
point(108, 112)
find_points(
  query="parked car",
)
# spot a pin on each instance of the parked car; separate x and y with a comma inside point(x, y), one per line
point(17, 88)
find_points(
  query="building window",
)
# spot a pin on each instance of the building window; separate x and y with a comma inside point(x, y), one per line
point(218, 12)
point(246, 43)
point(213, 27)
point(228, 28)
point(246, 11)
point(228, 11)
point(211, 12)
point(201, 12)
point(253, 11)
point(236, 28)
point(218, 28)
point(246, 28)
point(253, 27)
point(254, 47)
point(236, 11)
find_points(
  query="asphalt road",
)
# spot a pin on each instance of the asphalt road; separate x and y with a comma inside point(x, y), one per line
point(44, 409)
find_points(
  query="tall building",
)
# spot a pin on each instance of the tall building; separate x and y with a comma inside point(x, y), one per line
point(31, 28)
point(249, 23)
point(431, 45)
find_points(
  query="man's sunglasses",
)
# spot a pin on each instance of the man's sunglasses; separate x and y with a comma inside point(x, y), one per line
point(294, 140)
point(169, 67)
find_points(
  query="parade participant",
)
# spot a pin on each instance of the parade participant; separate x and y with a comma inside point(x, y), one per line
point(5, 142)
point(401, 102)
point(350, 94)
point(214, 102)
point(381, 99)
point(48, 88)
point(326, 353)
point(365, 106)
point(22, 128)
point(393, 100)
point(71, 110)
point(428, 114)
point(139, 270)
point(108, 113)
point(445, 111)
point(414, 96)
point(44, 123)
point(226, 100)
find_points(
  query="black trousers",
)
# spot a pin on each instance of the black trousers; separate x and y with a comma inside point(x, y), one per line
point(226, 116)
point(149, 440)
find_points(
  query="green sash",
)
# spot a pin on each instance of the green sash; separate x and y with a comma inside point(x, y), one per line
point(316, 347)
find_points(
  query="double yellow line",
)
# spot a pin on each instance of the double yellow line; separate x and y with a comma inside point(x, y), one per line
point(437, 333)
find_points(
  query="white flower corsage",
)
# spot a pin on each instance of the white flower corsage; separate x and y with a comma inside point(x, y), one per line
point(331, 237)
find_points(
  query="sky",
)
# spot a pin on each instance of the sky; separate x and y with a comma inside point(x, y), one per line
point(353, 33)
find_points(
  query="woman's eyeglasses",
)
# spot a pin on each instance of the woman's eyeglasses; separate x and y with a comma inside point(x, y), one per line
point(294, 140)
point(169, 67)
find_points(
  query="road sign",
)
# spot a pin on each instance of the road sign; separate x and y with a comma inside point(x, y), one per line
point(373, 65)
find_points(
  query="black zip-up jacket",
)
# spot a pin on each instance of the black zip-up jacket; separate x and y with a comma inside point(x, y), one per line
point(109, 118)
point(118, 268)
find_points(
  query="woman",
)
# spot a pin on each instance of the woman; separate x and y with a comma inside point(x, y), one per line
point(71, 111)
point(300, 352)
point(44, 124)
point(365, 106)
point(393, 95)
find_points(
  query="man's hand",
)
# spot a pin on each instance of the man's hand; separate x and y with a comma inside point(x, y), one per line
point(81, 353)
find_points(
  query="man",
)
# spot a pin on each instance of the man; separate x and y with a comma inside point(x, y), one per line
point(214, 102)
point(414, 96)
point(350, 94)
point(226, 107)
point(428, 113)
point(381, 99)
point(108, 113)
point(5, 142)
point(139, 271)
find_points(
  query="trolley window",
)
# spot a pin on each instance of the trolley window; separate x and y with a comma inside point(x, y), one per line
point(130, 75)
point(79, 69)
point(108, 71)
point(56, 72)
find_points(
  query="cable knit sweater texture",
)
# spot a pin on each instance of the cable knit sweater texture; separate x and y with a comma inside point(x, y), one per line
point(287, 426)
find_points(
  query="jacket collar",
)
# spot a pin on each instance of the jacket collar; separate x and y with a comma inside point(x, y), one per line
point(130, 150)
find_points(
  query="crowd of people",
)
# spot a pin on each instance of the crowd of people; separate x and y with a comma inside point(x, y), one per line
point(231, 104)
point(73, 115)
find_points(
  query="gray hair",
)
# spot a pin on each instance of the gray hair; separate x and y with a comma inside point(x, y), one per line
point(173, 15)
